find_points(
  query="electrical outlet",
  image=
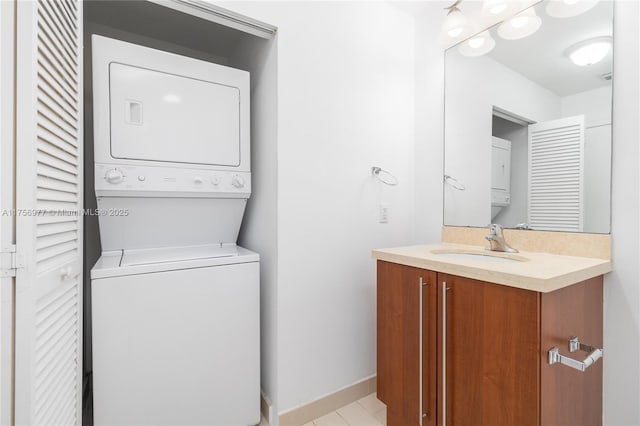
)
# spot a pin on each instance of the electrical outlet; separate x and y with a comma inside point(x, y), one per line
point(383, 213)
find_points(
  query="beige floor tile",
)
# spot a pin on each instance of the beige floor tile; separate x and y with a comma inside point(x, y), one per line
point(381, 416)
point(371, 403)
point(356, 415)
point(331, 419)
point(309, 424)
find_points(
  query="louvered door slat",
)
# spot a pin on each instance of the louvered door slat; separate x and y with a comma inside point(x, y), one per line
point(56, 19)
point(47, 23)
point(48, 159)
point(51, 184)
point(556, 169)
point(48, 220)
point(53, 172)
point(56, 147)
point(49, 70)
point(55, 119)
point(49, 170)
point(55, 409)
point(54, 56)
point(55, 101)
point(70, 12)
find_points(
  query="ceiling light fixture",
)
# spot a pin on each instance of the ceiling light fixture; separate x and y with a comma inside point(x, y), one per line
point(521, 25)
point(478, 45)
point(569, 8)
point(589, 52)
point(455, 25)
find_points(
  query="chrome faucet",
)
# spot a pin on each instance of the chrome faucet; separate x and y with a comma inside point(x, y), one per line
point(496, 240)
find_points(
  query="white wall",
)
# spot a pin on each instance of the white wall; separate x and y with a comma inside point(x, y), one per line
point(345, 103)
point(622, 298)
point(473, 87)
point(429, 113)
point(595, 105)
point(259, 226)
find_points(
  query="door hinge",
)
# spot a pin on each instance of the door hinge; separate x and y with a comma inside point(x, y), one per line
point(10, 261)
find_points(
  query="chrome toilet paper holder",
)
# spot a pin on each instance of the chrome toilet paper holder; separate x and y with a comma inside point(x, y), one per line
point(594, 354)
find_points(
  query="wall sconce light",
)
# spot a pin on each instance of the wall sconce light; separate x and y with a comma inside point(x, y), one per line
point(521, 25)
point(589, 52)
point(568, 8)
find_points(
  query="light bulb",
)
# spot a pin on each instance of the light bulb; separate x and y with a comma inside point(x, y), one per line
point(521, 25)
point(455, 24)
point(498, 7)
point(478, 45)
point(568, 8)
point(476, 42)
point(454, 32)
point(519, 21)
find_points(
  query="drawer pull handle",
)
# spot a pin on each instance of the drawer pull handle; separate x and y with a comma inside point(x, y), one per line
point(423, 283)
point(574, 344)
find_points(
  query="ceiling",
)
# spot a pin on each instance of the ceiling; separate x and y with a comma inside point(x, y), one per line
point(540, 57)
point(157, 22)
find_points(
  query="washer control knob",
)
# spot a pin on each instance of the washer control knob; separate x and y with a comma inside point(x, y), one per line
point(197, 179)
point(142, 178)
point(237, 181)
point(215, 180)
point(114, 176)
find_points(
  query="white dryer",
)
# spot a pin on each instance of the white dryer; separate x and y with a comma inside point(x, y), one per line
point(175, 302)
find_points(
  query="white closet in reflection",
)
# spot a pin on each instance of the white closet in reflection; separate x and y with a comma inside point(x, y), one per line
point(556, 174)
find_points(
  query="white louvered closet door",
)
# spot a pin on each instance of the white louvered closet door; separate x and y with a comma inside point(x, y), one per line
point(48, 381)
point(556, 174)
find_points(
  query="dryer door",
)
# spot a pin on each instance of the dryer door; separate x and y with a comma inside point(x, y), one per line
point(157, 116)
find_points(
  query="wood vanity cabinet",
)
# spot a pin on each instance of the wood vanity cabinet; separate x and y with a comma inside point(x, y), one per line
point(481, 350)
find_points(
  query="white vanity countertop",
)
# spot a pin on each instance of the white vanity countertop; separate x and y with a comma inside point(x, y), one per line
point(542, 272)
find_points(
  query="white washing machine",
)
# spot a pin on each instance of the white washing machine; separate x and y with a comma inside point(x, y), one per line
point(175, 302)
point(175, 338)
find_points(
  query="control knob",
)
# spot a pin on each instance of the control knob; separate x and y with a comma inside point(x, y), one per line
point(114, 176)
point(237, 181)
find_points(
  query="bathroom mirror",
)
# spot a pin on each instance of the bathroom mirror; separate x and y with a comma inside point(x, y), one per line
point(528, 121)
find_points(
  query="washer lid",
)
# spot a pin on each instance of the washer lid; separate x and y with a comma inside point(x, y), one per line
point(144, 261)
point(138, 257)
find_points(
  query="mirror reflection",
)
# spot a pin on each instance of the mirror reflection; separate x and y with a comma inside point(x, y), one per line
point(528, 121)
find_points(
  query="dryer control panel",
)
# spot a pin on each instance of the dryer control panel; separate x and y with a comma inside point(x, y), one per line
point(118, 180)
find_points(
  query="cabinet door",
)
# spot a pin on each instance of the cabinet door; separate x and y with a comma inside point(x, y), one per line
point(488, 340)
point(406, 344)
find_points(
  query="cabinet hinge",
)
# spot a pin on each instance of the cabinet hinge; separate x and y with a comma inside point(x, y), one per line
point(10, 261)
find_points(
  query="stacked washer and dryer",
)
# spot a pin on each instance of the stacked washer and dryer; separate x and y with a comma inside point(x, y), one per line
point(175, 302)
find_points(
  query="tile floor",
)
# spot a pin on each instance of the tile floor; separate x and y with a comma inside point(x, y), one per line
point(368, 411)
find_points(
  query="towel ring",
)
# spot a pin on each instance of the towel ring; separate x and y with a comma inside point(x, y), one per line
point(384, 176)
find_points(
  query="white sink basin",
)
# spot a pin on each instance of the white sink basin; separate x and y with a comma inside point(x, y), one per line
point(482, 256)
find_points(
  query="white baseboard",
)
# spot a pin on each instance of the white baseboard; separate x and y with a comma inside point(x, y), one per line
point(300, 415)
